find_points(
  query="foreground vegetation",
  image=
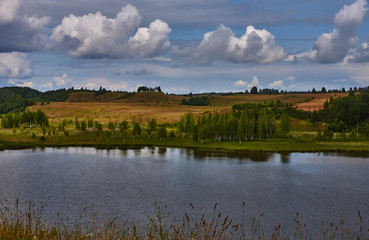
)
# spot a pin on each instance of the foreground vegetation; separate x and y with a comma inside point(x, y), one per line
point(28, 222)
point(306, 142)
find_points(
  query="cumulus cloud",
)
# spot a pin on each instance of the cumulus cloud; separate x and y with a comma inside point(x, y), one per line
point(177, 90)
point(276, 84)
point(15, 64)
point(290, 78)
point(148, 42)
point(333, 47)
point(20, 31)
point(254, 83)
point(48, 85)
point(240, 83)
point(360, 54)
point(62, 80)
point(95, 83)
point(256, 46)
point(21, 84)
point(96, 36)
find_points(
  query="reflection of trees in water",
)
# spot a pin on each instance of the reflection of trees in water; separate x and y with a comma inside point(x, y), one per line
point(345, 154)
point(285, 157)
point(256, 156)
point(162, 150)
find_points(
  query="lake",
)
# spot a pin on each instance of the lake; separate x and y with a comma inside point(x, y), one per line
point(128, 183)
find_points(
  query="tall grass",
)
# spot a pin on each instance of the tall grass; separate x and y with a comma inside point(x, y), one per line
point(27, 222)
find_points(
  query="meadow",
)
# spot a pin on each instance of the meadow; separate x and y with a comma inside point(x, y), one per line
point(165, 108)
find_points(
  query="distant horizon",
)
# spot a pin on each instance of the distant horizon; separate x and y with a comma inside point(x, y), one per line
point(245, 91)
point(191, 46)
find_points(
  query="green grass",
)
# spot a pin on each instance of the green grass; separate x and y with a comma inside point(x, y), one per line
point(305, 143)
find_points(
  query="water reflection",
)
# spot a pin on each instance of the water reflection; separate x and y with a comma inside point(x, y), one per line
point(132, 180)
point(285, 157)
point(162, 150)
point(255, 156)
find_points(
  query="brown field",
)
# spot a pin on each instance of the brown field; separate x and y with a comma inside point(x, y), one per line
point(116, 112)
point(165, 108)
point(124, 97)
point(318, 101)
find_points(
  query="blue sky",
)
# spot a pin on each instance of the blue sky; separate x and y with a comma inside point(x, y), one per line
point(184, 46)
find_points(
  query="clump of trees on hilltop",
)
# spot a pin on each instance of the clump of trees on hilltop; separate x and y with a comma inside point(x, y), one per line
point(148, 89)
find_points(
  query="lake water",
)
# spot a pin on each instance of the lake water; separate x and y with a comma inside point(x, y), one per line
point(128, 183)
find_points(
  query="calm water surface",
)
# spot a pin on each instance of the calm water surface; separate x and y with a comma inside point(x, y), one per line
point(128, 183)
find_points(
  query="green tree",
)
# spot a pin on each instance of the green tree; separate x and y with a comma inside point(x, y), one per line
point(189, 123)
point(136, 129)
point(77, 125)
point(254, 90)
point(151, 127)
point(285, 124)
point(162, 133)
point(111, 127)
point(123, 127)
point(241, 129)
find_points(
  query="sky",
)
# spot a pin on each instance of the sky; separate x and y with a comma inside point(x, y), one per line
point(184, 46)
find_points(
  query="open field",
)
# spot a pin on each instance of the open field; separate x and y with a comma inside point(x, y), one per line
point(116, 112)
point(165, 108)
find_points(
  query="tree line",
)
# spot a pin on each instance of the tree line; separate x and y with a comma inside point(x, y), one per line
point(254, 123)
point(26, 118)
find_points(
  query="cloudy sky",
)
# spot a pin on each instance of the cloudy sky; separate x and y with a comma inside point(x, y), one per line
point(184, 46)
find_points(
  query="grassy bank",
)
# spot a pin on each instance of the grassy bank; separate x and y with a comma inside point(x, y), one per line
point(16, 140)
point(28, 222)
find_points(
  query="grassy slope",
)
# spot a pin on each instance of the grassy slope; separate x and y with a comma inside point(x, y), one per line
point(165, 108)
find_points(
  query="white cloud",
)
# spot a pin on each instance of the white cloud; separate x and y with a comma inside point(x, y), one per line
point(96, 36)
point(48, 85)
point(240, 84)
point(62, 80)
point(15, 64)
point(96, 83)
point(360, 54)
point(161, 59)
point(148, 42)
point(118, 86)
point(177, 90)
point(276, 84)
point(290, 78)
point(333, 47)
point(8, 10)
point(254, 82)
point(256, 46)
point(21, 84)
point(20, 31)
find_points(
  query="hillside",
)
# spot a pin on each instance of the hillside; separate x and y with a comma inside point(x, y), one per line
point(122, 97)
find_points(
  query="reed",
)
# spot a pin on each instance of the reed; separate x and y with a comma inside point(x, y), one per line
point(26, 221)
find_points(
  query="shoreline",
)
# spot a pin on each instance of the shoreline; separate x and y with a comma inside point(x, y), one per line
point(272, 146)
